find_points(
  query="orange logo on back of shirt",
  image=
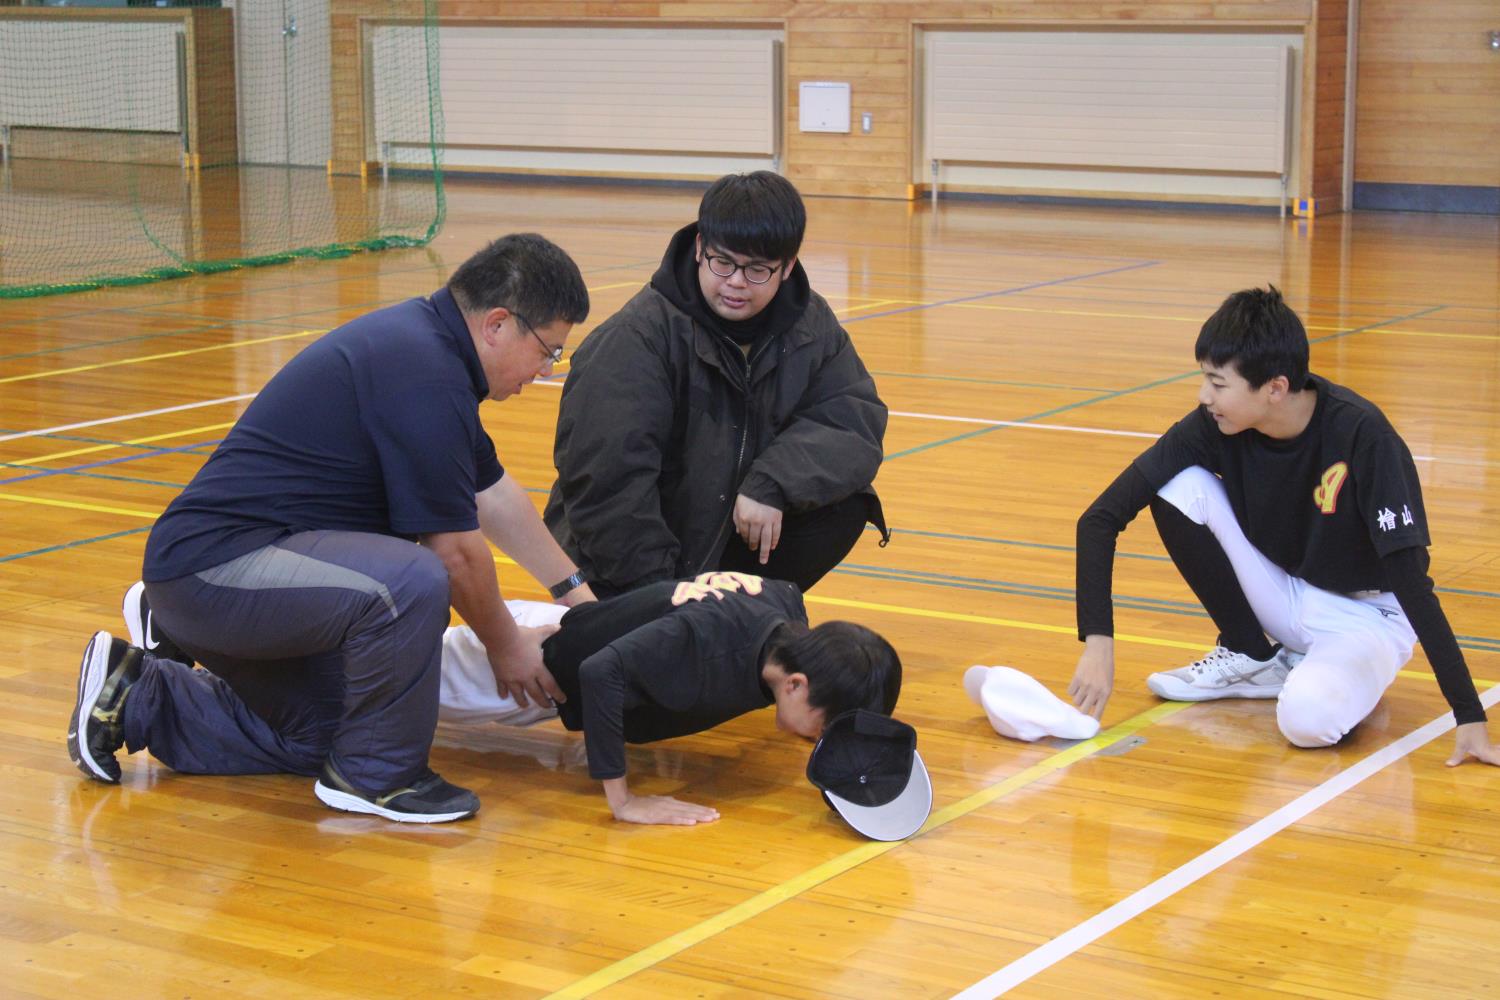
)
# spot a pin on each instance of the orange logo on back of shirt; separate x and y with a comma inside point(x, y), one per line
point(1326, 493)
point(716, 584)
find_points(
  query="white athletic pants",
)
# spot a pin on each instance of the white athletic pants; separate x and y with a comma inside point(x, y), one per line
point(1354, 644)
point(468, 692)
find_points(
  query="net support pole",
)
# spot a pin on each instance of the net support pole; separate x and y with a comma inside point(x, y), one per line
point(182, 101)
point(4, 145)
point(385, 162)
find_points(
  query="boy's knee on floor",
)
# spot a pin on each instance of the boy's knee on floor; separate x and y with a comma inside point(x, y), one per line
point(1308, 713)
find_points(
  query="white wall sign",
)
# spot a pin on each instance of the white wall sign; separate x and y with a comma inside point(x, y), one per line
point(823, 106)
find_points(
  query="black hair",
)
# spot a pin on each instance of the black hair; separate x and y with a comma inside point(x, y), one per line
point(1260, 335)
point(524, 273)
point(847, 666)
point(759, 215)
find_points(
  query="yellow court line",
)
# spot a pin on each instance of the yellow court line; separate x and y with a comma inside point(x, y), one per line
point(72, 505)
point(142, 440)
point(1431, 333)
point(872, 305)
point(797, 885)
point(813, 877)
point(158, 357)
point(618, 284)
point(200, 350)
point(958, 616)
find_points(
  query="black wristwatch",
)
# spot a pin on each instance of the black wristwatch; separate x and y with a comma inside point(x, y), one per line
point(559, 590)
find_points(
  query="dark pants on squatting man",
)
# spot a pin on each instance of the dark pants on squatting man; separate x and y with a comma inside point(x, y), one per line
point(323, 645)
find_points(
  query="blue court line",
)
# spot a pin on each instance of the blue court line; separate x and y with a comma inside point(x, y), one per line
point(73, 438)
point(1018, 543)
point(1011, 541)
point(972, 582)
point(83, 475)
point(1004, 291)
point(1185, 609)
point(1140, 388)
point(1019, 589)
point(74, 544)
point(1103, 397)
point(1478, 643)
point(1375, 326)
point(69, 470)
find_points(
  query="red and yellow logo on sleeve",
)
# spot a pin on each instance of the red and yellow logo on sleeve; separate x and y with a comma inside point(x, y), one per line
point(1326, 493)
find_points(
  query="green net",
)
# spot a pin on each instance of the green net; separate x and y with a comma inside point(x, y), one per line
point(145, 142)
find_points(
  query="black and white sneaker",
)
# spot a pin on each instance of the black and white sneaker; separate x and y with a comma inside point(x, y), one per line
point(110, 666)
point(144, 630)
point(428, 799)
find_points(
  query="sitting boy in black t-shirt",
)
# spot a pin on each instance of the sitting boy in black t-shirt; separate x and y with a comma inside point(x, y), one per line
point(1293, 510)
point(675, 658)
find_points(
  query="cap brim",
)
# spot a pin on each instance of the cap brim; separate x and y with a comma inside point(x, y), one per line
point(897, 819)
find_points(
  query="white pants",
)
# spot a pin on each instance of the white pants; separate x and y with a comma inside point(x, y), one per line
point(468, 691)
point(1354, 644)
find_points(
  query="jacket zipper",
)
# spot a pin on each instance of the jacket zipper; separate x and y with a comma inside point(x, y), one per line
point(744, 440)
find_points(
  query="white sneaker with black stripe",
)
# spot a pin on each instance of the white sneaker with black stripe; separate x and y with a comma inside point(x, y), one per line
point(1224, 674)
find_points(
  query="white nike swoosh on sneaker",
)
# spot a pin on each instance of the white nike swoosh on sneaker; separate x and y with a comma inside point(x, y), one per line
point(147, 639)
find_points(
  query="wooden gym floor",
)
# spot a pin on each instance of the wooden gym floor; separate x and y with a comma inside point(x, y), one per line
point(1026, 353)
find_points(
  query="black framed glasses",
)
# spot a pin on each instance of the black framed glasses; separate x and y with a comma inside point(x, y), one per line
point(554, 354)
point(756, 274)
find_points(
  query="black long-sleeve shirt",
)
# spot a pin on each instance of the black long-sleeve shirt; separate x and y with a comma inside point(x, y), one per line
point(680, 658)
point(1339, 506)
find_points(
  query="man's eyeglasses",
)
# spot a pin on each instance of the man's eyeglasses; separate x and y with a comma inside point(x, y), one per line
point(554, 354)
point(756, 274)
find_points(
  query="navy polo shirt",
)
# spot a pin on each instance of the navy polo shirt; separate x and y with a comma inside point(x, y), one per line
point(374, 428)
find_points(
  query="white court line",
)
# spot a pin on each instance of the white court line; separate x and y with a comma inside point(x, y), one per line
point(987, 423)
point(1131, 906)
point(558, 384)
point(1033, 425)
point(125, 416)
point(1023, 423)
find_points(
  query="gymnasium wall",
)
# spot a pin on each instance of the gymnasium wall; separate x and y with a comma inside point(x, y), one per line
point(1330, 67)
point(868, 44)
point(1427, 134)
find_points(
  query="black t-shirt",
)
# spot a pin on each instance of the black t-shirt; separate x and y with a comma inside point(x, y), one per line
point(373, 428)
point(1326, 505)
point(1339, 506)
point(666, 660)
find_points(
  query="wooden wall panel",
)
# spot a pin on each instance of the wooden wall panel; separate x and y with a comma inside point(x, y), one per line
point(868, 44)
point(1428, 93)
point(211, 93)
point(1330, 61)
